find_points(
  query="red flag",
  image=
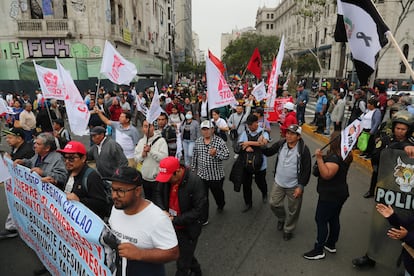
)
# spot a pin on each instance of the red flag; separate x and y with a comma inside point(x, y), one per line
point(216, 62)
point(255, 64)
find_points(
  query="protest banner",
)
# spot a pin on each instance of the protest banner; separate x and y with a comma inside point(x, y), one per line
point(274, 114)
point(67, 237)
point(395, 188)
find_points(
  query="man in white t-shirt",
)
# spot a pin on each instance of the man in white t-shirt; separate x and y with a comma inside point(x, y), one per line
point(146, 234)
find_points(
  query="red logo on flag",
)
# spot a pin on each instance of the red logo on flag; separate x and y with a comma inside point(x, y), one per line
point(116, 65)
point(223, 89)
point(51, 82)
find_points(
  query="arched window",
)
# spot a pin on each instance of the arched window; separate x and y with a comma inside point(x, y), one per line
point(405, 50)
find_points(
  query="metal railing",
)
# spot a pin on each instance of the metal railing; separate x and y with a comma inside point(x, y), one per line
point(45, 27)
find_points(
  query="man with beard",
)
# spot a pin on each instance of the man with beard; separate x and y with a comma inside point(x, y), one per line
point(147, 233)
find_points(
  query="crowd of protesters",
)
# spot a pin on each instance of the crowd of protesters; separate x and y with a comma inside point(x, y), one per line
point(176, 160)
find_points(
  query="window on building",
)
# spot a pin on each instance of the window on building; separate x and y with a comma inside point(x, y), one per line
point(139, 26)
point(267, 26)
point(271, 26)
point(271, 15)
point(267, 16)
point(113, 17)
point(121, 15)
point(405, 51)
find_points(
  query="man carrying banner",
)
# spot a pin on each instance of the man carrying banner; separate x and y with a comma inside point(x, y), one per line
point(151, 148)
point(84, 184)
point(147, 234)
point(20, 149)
point(46, 162)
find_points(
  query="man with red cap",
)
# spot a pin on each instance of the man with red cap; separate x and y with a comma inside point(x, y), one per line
point(180, 192)
point(84, 184)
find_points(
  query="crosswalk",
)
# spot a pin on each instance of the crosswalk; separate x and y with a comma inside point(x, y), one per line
point(310, 110)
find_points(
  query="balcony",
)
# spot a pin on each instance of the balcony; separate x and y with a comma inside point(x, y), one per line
point(40, 28)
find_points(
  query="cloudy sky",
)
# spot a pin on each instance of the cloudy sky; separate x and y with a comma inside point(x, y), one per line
point(213, 17)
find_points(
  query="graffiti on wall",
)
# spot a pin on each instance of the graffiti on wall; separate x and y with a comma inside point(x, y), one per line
point(79, 5)
point(11, 50)
point(47, 48)
point(80, 50)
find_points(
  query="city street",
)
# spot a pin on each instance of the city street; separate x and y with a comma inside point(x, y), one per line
point(236, 243)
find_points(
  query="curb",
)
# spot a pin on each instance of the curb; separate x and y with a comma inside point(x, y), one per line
point(308, 129)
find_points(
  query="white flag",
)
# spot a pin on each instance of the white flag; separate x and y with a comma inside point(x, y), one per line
point(218, 91)
point(50, 82)
point(4, 170)
point(274, 75)
point(78, 113)
point(155, 107)
point(116, 68)
point(349, 136)
point(4, 108)
point(259, 91)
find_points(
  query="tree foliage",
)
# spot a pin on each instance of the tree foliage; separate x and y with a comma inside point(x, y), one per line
point(237, 54)
point(307, 64)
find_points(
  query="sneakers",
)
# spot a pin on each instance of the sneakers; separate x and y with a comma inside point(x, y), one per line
point(8, 234)
point(314, 254)
point(205, 223)
point(330, 249)
point(236, 156)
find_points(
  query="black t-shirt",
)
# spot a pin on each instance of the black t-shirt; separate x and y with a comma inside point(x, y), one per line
point(336, 188)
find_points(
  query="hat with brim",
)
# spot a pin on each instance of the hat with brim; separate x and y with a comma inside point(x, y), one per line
point(126, 175)
point(15, 131)
point(73, 147)
point(168, 166)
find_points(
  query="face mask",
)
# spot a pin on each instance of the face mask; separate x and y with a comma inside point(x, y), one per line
point(188, 116)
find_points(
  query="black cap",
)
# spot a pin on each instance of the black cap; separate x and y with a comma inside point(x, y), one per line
point(15, 131)
point(126, 175)
point(97, 130)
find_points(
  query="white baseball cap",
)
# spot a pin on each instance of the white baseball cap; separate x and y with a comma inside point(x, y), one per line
point(205, 124)
point(289, 106)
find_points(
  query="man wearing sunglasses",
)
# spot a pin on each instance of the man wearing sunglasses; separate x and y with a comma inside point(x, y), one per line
point(84, 184)
point(147, 235)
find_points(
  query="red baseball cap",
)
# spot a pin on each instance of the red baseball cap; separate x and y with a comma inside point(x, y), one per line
point(168, 166)
point(73, 147)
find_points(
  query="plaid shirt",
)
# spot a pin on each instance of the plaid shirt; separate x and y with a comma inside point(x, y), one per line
point(206, 166)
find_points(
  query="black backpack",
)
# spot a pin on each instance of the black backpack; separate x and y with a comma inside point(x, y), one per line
point(107, 187)
point(253, 161)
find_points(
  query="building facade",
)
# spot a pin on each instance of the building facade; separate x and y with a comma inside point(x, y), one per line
point(316, 32)
point(226, 38)
point(76, 31)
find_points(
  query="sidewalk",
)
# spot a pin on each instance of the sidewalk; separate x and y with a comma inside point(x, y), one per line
point(308, 129)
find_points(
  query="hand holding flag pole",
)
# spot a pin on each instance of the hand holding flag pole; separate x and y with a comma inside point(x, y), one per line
point(330, 142)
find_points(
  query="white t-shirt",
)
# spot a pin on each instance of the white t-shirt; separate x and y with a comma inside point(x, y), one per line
point(150, 228)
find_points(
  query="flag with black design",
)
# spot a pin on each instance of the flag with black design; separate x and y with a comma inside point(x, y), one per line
point(360, 24)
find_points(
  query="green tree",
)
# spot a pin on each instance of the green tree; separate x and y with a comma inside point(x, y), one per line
point(237, 54)
point(307, 64)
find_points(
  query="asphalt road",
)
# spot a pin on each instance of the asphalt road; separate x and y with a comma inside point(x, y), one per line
point(236, 243)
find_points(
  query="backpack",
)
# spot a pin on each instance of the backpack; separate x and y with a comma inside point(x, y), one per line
point(253, 160)
point(107, 187)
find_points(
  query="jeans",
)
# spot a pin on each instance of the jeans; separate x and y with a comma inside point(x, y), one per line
point(328, 123)
point(327, 221)
point(300, 113)
point(188, 147)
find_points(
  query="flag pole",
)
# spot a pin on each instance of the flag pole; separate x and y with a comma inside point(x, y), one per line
point(391, 37)
point(244, 73)
point(330, 142)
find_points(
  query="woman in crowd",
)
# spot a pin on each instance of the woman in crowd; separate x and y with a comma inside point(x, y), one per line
point(190, 131)
point(220, 125)
point(332, 172)
point(338, 112)
point(176, 117)
point(370, 123)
